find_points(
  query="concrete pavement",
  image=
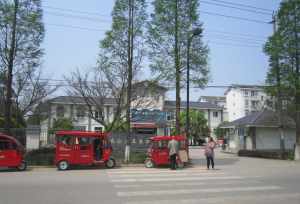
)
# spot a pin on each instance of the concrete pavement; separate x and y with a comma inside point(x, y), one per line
point(235, 180)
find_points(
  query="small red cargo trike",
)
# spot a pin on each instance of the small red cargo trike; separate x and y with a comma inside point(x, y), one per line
point(158, 152)
point(82, 148)
point(11, 153)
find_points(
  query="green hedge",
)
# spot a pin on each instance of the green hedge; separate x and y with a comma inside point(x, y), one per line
point(269, 154)
point(43, 156)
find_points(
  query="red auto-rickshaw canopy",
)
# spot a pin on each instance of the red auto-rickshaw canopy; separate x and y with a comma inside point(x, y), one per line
point(176, 137)
point(12, 139)
point(81, 133)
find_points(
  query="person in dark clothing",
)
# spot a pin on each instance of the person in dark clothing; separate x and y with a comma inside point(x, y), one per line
point(98, 149)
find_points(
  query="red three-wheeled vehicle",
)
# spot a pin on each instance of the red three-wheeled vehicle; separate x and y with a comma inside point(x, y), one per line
point(11, 153)
point(83, 148)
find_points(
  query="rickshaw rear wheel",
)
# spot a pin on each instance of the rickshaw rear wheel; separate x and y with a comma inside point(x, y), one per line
point(63, 165)
point(22, 166)
point(149, 163)
point(111, 163)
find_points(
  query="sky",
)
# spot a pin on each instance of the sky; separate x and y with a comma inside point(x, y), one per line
point(236, 46)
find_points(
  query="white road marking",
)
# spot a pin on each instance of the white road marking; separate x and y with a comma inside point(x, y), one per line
point(192, 191)
point(226, 199)
point(181, 184)
point(132, 180)
point(161, 172)
point(163, 175)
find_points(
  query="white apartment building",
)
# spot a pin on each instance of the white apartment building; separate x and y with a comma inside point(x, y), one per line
point(242, 100)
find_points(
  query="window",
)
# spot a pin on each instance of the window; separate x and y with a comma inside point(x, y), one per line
point(84, 140)
point(245, 93)
point(215, 114)
point(247, 112)
point(262, 98)
point(246, 102)
point(98, 129)
point(4, 145)
point(66, 140)
point(80, 112)
point(254, 93)
point(60, 111)
point(80, 128)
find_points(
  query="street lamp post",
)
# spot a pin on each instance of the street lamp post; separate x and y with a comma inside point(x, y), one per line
point(192, 33)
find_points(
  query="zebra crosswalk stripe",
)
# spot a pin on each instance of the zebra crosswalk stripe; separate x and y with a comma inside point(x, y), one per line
point(192, 191)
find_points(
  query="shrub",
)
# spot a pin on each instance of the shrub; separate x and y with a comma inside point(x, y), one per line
point(42, 156)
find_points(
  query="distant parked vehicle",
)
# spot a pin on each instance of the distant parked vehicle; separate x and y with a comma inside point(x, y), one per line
point(83, 148)
point(11, 153)
point(158, 152)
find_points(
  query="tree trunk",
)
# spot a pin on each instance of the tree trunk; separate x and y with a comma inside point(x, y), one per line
point(177, 67)
point(9, 90)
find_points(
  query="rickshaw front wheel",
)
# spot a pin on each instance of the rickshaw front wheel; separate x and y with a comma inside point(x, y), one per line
point(63, 165)
point(149, 163)
point(22, 166)
point(111, 163)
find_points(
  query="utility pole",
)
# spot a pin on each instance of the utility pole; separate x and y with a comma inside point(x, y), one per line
point(129, 78)
point(177, 67)
point(278, 86)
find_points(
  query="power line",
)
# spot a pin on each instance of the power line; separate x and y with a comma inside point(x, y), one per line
point(75, 11)
point(235, 34)
point(77, 17)
point(234, 45)
point(75, 27)
point(242, 5)
point(235, 17)
point(238, 8)
point(243, 39)
point(101, 20)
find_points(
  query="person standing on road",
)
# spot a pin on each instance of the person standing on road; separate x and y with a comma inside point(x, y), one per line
point(173, 146)
point(210, 153)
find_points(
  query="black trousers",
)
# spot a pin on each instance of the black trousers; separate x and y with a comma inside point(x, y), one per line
point(210, 161)
point(173, 161)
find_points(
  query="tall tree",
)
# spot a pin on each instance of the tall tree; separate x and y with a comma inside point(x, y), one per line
point(168, 33)
point(22, 32)
point(283, 49)
point(122, 49)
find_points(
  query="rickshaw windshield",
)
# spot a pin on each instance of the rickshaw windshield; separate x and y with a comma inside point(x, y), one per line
point(65, 139)
point(163, 144)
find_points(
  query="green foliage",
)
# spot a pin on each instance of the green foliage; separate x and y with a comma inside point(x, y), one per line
point(161, 38)
point(113, 58)
point(198, 124)
point(61, 124)
point(42, 156)
point(29, 33)
point(219, 132)
point(138, 157)
point(283, 51)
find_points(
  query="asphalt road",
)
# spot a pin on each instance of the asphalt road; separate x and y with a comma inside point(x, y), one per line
point(236, 180)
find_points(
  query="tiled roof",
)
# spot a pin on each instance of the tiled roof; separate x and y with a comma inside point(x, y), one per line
point(193, 104)
point(265, 118)
point(77, 100)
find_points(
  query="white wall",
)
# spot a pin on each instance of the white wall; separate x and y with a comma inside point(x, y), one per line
point(234, 104)
point(269, 138)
